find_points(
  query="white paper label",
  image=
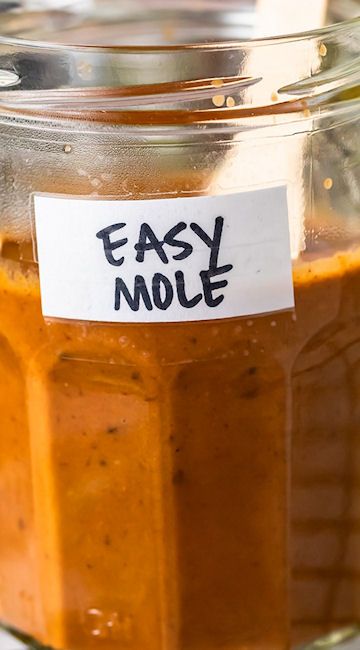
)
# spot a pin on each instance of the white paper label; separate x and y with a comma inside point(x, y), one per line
point(164, 260)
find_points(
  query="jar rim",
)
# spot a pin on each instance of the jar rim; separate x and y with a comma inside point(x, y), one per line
point(320, 32)
point(170, 84)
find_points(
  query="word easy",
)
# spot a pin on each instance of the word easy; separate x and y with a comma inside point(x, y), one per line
point(153, 252)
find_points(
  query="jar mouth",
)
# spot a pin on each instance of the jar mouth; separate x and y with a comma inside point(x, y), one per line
point(199, 61)
point(229, 25)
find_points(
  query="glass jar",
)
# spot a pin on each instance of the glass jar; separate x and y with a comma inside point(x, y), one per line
point(180, 401)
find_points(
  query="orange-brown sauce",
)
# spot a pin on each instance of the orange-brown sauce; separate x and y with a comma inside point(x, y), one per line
point(189, 486)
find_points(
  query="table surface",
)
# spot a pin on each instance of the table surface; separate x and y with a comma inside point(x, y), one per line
point(7, 642)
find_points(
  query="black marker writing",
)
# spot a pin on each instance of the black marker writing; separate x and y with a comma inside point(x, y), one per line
point(214, 243)
point(110, 246)
point(147, 242)
point(160, 280)
point(183, 300)
point(171, 241)
point(161, 290)
point(140, 291)
point(209, 286)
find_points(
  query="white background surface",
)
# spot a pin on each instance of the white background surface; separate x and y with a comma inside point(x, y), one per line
point(7, 642)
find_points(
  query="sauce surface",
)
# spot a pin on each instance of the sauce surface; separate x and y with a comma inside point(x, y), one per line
point(153, 475)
